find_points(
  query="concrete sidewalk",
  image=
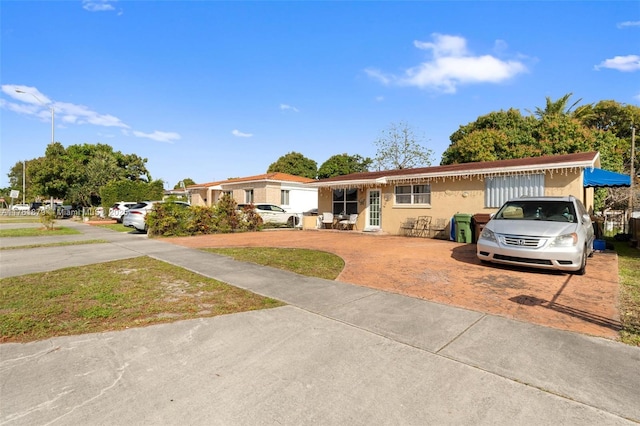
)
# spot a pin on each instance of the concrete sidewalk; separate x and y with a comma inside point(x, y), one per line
point(337, 354)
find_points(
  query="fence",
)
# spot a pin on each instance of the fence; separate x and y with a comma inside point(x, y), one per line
point(634, 230)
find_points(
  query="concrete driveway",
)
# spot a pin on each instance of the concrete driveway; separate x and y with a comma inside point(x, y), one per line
point(449, 272)
point(336, 354)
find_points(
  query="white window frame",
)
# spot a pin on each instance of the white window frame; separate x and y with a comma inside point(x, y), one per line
point(284, 197)
point(347, 203)
point(412, 198)
point(248, 196)
point(500, 189)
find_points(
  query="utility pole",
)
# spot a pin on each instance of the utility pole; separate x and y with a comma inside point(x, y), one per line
point(632, 172)
point(24, 175)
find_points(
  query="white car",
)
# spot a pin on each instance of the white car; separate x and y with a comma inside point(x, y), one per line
point(270, 213)
point(135, 217)
point(20, 207)
point(117, 210)
point(539, 232)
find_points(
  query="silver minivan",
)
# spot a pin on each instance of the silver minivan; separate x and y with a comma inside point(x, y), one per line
point(539, 232)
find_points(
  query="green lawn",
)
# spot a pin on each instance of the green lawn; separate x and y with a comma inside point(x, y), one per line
point(311, 263)
point(113, 296)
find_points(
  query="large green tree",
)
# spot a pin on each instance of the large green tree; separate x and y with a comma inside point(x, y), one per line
point(498, 135)
point(617, 119)
point(76, 173)
point(398, 147)
point(554, 129)
point(343, 164)
point(295, 164)
point(558, 128)
point(185, 182)
point(129, 190)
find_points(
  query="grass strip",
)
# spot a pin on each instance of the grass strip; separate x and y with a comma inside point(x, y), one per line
point(19, 219)
point(312, 263)
point(65, 243)
point(628, 267)
point(113, 296)
point(118, 227)
point(37, 232)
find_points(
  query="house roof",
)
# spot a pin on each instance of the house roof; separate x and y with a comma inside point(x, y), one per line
point(527, 165)
point(274, 177)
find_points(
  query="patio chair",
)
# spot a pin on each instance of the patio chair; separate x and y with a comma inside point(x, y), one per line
point(408, 227)
point(349, 223)
point(327, 219)
point(423, 226)
point(439, 230)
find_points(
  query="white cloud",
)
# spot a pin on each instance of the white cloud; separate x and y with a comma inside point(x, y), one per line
point(37, 104)
point(32, 102)
point(239, 134)
point(158, 136)
point(285, 107)
point(376, 74)
point(627, 63)
point(80, 114)
point(98, 5)
point(451, 65)
point(628, 24)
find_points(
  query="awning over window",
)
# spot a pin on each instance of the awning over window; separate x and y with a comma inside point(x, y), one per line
point(601, 178)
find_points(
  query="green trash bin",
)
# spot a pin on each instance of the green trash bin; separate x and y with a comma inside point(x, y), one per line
point(463, 227)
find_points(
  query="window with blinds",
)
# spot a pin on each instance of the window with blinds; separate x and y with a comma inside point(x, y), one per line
point(500, 189)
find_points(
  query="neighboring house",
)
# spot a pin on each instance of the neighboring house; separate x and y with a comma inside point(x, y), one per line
point(386, 200)
point(287, 191)
point(178, 194)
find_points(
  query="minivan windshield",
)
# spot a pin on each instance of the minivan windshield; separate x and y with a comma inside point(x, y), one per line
point(547, 210)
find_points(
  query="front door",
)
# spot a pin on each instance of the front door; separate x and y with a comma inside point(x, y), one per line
point(373, 210)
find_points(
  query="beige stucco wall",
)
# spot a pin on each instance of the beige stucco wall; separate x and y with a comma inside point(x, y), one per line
point(448, 197)
point(198, 197)
point(262, 193)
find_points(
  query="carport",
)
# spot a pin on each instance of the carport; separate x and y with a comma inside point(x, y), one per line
point(599, 178)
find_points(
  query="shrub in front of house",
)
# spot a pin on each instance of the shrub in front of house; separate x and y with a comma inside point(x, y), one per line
point(170, 219)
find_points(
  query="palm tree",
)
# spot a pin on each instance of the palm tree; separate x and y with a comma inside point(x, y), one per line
point(558, 107)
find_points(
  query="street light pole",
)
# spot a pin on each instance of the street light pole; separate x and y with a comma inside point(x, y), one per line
point(52, 137)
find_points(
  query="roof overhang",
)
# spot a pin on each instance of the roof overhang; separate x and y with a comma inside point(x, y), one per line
point(482, 173)
point(350, 183)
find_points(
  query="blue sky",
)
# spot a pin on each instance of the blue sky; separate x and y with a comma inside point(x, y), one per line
point(211, 90)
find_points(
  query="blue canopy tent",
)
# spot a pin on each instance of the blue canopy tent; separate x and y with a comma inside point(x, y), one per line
point(598, 178)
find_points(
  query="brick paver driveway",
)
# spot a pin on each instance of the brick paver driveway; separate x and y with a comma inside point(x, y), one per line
point(448, 272)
